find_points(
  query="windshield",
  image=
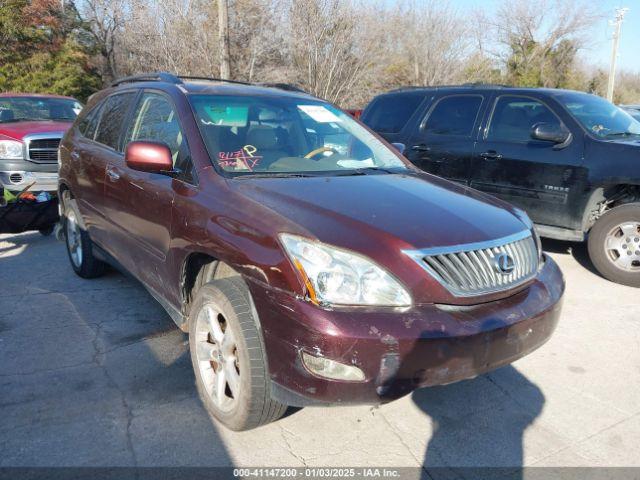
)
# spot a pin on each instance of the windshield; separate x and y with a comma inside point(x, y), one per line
point(17, 109)
point(285, 135)
point(634, 112)
point(600, 117)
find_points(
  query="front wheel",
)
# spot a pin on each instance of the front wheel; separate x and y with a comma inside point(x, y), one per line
point(228, 356)
point(614, 245)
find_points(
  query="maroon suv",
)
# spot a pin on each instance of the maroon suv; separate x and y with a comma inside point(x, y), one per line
point(308, 260)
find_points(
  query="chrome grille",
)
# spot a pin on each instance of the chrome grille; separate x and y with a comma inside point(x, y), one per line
point(43, 148)
point(481, 268)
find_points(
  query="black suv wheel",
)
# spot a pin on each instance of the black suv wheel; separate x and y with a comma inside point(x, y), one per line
point(614, 245)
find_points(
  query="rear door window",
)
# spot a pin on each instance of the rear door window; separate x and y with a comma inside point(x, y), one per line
point(514, 117)
point(454, 115)
point(390, 113)
point(114, 116)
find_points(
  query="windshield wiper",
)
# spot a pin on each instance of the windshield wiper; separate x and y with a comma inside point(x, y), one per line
point(274, 175)
point(621, 134)
point(14, 120)
point(364, 171)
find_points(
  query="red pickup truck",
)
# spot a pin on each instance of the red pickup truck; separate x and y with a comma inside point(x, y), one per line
point(31, 127)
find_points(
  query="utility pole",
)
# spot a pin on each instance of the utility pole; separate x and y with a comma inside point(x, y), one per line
point(617, 24)
point(223, 35)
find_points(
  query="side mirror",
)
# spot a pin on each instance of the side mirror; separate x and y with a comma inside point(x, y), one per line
point(550, 133)
point(400, 147)
point(152, 157)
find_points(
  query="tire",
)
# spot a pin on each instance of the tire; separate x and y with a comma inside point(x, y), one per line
point(45, 232)
point(80, 247)
point(614, 245)
point(248, 404)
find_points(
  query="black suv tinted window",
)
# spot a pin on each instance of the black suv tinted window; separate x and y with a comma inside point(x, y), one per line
point(390, 113)
point(114, 114)
point(454, 115)
point(514, 117)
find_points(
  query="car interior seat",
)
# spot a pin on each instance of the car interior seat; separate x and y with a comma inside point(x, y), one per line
point(265, 141)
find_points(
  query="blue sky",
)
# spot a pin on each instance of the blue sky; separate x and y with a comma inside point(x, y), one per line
point(598, 52)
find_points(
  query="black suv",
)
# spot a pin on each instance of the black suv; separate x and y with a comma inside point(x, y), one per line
point(570, 159)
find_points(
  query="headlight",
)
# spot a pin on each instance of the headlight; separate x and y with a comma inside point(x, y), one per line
point(339, 277)
point(10, 149)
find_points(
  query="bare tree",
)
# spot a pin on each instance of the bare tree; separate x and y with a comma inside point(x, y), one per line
point(258, 31)
point(346, 50)
point(105, 18)
point(175, 35)
point(326, 47)
point(530, 32)
point(436, 41)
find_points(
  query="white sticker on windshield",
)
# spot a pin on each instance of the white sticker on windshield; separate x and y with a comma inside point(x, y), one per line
point(319, 113)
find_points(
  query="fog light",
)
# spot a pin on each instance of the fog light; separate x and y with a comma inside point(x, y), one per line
point(324, 367)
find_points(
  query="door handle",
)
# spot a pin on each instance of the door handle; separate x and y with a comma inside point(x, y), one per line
point(113, 175)
point(491, 155)
point(421, 148)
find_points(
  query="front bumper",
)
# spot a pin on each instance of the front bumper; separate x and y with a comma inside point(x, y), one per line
point(401, 350)
point(15, 175)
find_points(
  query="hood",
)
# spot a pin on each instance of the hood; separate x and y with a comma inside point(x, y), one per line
point(627, 141)
point(18, 130)
point(412, 211)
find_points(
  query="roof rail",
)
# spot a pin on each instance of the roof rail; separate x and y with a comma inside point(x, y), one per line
point(282, 86)
point(212, 79)
point(461, 85)
point(148, 77)
point(481, 84)
point(178, 79)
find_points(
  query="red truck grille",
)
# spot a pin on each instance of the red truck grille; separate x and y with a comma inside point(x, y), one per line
point(44, 150)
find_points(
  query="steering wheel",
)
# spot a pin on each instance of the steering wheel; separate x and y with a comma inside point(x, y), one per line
point(315, 152)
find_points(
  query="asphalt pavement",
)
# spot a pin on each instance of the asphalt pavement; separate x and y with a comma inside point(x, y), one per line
point(94, 373)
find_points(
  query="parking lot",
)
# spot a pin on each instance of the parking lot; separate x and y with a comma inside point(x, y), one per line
point(94, 373)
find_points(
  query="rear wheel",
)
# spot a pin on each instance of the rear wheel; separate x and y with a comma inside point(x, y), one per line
point(614, 245)
point(45, 232)
point(80, 247)
point(228, 356)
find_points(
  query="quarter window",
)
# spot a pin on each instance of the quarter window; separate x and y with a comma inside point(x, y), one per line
point(514, 117)
point(454, 115)
point(114, 113)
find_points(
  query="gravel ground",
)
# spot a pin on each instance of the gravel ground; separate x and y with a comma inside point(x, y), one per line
point(95, 373)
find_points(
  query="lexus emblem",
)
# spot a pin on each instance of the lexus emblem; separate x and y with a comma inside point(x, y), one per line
point(504, 263)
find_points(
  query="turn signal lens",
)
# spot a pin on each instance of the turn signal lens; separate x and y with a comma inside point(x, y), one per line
point(324, 367)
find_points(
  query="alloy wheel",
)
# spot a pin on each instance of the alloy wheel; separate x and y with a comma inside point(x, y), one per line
point(217, 355)
point(74, 239)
